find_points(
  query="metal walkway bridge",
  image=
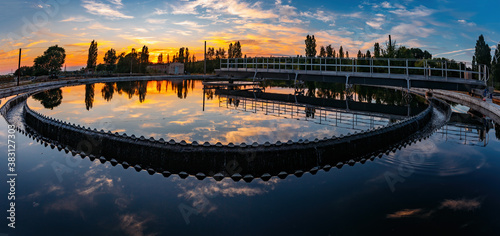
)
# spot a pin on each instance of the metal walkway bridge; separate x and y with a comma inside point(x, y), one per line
point(405, 73)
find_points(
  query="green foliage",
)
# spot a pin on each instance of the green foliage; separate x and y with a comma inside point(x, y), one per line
point(50, 62)
point(128, 63)
point(92, 58)
point(310, 46)
point(482, 55)
point(25, 70)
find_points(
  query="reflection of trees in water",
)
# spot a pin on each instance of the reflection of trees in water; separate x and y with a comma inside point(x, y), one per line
point(132, 88)
point(50, 98)
point(363, 93)
point(89, 96)
point(209, 93)
point(181, 87)
point(107, 91)
point(311, 90)
point(139, 88)
point(158, 86)
point(142, 90)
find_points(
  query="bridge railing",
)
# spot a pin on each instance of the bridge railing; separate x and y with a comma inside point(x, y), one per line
point(408, 67)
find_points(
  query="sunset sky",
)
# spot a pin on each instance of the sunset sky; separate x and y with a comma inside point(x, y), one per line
point(445, 28)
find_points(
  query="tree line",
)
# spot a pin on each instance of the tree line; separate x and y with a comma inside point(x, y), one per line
point(54, 57)
point(391, 50)
point(482, 55)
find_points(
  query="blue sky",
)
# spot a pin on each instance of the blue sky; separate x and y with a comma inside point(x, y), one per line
point(444, 28)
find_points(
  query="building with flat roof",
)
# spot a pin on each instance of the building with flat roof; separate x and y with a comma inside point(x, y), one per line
point(174, 68)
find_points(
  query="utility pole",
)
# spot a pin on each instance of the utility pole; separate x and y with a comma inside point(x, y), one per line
point(19, 68)
point(205, 59)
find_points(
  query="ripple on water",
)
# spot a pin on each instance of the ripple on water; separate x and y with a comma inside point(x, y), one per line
point(433, 156)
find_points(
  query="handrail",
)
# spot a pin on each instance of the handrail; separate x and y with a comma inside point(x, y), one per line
point(400, 66)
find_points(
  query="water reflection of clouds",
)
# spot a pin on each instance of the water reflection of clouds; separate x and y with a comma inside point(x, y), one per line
point(94, 183)
point(451, 204)
point(151, 125)
point(202, 193)
point(133, 224)
point(164, 115)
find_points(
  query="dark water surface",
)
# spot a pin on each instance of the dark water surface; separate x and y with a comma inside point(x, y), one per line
point(446, 184)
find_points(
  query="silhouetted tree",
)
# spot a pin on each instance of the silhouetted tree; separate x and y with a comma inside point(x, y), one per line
point(50, 62)
point(110, 59)
point(390, 48)
point(341, 52)
point(220, 54)
point(128, 63)
point(360, 54)
point(329, 51)
point(25, 70)
point(210, 53)
point(482, 55)
point(376, 49)
point(368, 54)
point(186, 56)
point(92, 58)
point(310, 46)
point(144, 59)
point(230, 51)
point(237, 50)
point(322, 52)
point(160, 58)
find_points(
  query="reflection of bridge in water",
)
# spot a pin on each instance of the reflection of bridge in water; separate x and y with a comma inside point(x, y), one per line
point(467, 129)
point(354, 120)
point(406, 73)
point(267, 100)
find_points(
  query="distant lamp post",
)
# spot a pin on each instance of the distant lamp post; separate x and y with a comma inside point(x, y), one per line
point(19, 68)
